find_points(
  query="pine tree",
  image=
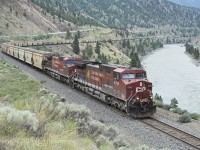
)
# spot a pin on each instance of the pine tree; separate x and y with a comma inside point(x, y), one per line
point(196, 53)
point(10, 9)
point(89, 50)
point(124, 43)
point(128, 44)
point(75, 45)
point(104, 59)
point(97, 48)
point(68, 35)
point(78, 34)
point(84, 54)
point(7, 25)
point(117, 61)
point(127, 33)
point(16, 13)
point(135, 61)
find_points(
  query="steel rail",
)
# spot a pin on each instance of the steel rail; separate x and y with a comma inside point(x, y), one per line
point(179, 134)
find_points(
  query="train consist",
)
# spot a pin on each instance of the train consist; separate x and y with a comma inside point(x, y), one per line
point(125, 88)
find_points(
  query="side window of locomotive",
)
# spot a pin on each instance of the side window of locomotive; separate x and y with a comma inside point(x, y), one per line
point(108, 70)
point(69, 62)
point(116, 76)
point(140, 75)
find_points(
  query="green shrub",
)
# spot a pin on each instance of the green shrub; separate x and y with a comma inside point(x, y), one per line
point(185, 118)
point(101, 140)
point(12, 120)
point(184, 111)
point(195, 116)
point(103, 136)
point(43, 91)
point(159, 104)
point(143, 147)
point(166, 106)
point(3, 146)
point(176, 110)
point(111, 133)
point(119, 143)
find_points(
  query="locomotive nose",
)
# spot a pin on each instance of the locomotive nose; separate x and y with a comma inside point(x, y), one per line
point(143, 91)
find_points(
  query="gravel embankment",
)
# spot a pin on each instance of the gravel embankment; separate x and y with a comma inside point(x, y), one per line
point(132, 129)
point(171, 119)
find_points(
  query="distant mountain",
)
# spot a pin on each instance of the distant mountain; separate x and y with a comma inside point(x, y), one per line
point(123, 14)
point(189, 3)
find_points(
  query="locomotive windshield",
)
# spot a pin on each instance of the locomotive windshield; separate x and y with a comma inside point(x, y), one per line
point(140, 75)
point(133, 76)
point(128, 76)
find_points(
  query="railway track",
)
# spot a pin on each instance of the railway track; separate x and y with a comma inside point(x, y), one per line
point(174, 132)
point(28, 44)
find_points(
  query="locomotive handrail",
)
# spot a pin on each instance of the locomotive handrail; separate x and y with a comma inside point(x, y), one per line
point(130, 97)
point(128, 100)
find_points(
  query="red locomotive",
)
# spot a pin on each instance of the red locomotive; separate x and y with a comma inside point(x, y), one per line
point(125, 88)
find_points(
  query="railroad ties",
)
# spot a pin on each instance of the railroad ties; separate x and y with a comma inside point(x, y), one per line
point(174, 132)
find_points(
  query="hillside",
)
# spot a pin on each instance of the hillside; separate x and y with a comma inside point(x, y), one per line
point(24, 17)
point(35, 17)
point(125, 14)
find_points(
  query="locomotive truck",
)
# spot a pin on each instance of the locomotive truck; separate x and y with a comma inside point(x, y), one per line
point(127, 89)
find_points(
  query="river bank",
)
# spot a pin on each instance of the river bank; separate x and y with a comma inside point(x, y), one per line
point(196, 62)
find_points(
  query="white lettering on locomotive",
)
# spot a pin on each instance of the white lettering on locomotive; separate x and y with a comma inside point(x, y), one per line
point(96, 73)
point(140, 89)
point(116, 83)
point(95, 78)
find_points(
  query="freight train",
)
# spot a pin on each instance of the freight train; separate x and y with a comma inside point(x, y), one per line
point(127, 89)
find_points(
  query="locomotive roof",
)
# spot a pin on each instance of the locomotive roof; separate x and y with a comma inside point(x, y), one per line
point(114, 65)
point(85, 62)
point(93, 65)
point(119, 70)
point(136, 70)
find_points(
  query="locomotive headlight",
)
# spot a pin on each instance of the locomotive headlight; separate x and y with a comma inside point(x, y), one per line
point(137, 98)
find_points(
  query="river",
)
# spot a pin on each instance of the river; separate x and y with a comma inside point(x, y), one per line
point(174, 75)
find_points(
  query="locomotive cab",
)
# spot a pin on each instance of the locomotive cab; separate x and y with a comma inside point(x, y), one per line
point(64, 65)
point(138, 94)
